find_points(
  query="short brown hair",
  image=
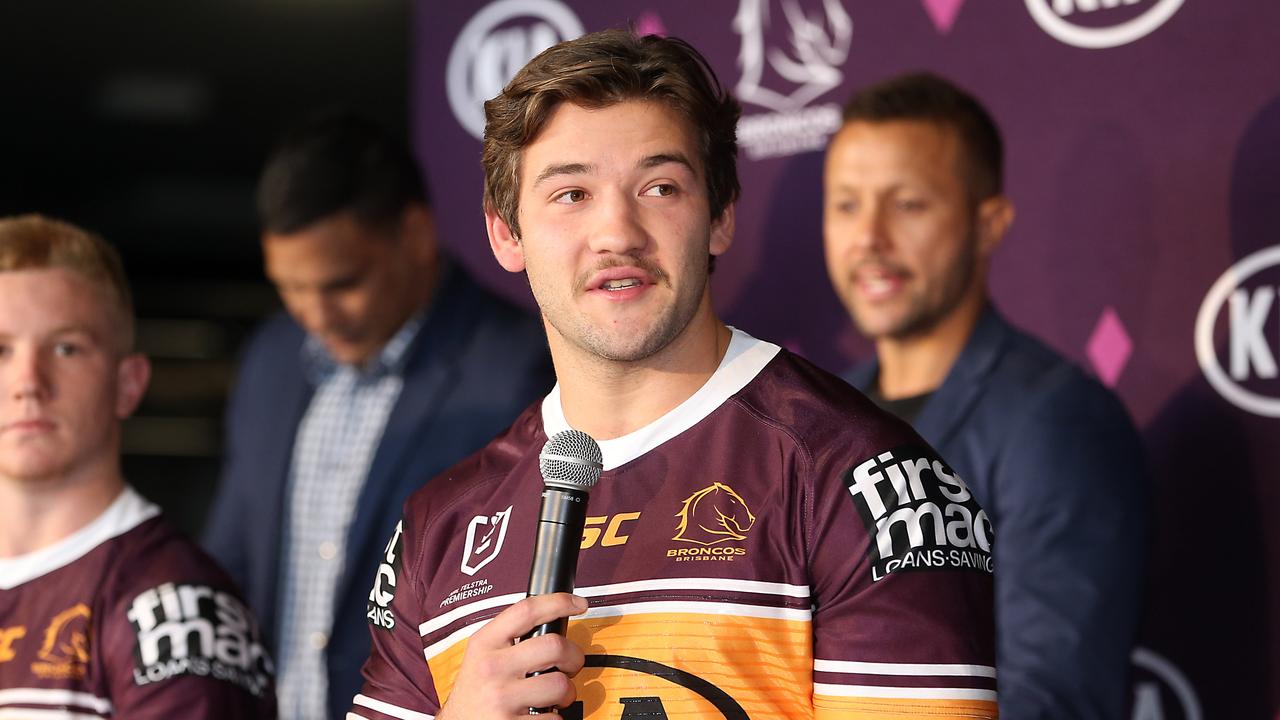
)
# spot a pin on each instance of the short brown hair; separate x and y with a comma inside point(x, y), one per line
point(930, 98)
point(35, 242)
point(598, 70)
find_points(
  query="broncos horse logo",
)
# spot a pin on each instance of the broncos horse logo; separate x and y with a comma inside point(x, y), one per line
point(714, 515)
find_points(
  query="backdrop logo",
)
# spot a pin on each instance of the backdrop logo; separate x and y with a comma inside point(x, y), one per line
point(1160, 690)
point(784, 78)
point(1066, 20)
point(494, 45)
point(1250, 350)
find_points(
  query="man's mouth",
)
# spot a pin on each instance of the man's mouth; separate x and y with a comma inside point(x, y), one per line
point(623, 284)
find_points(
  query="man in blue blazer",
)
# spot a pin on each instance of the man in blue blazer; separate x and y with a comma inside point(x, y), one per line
point(389, 366)
point(914, 209)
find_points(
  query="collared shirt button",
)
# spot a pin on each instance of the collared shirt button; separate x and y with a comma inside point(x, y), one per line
point(319, 640)
point(328, 550)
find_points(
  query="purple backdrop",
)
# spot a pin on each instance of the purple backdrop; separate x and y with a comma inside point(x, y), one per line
point(1143, 144)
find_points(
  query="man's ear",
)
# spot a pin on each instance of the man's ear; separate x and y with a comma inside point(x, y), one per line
point(995, 216)
point(504, 243)
point(418, 225)
point(132, 376)
point(722, 230)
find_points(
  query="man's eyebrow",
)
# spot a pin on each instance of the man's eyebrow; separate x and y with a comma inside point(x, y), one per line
point(551, 171)
point(663, 158)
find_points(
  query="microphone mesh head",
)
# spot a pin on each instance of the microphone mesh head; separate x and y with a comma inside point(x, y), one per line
point(571, 459)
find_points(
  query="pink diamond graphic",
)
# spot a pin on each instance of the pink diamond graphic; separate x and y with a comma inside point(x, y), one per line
point(649, 23)
point(1109, 347)
point(943, 13)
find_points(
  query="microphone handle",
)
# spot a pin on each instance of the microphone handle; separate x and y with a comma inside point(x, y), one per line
point(555, 555)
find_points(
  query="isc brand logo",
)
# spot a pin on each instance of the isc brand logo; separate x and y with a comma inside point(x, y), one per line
point(612, 534)
point(1064, 20)
point(378, 609)
point(196, 630)
point(919, 513)
point(1253, 334)
point(494, 45)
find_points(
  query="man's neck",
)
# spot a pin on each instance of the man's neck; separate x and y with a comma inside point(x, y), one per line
point(918, 364)
point(37, 513)
point(608, 399)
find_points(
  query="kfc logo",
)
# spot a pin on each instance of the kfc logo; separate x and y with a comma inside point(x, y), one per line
point(485, 535)
point(1135, 19)
point(1160, 690)
point(494, 45)
point(1250, 379)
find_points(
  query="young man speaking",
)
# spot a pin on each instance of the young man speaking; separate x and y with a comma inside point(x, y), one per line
point(763, 542)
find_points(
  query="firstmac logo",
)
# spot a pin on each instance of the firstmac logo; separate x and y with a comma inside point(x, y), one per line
point(1084, 23)
point(1253, 335)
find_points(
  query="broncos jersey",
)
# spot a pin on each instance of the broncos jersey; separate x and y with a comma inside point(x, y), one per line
point(126, 618)
point(774, 547)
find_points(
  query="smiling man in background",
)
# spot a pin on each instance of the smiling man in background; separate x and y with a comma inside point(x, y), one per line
point(914, 209)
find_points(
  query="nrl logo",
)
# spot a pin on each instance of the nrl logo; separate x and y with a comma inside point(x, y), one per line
point(484, 540)
point(714, 515)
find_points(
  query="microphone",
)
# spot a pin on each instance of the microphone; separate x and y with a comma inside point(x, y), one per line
point(570, 463)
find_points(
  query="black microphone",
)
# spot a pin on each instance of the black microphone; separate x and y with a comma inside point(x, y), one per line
point(570, 463)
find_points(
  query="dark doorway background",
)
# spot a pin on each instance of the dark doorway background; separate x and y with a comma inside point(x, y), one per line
point(147, 122)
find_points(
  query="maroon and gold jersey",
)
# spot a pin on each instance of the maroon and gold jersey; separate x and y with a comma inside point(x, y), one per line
point(127, 619)
point(774, 547)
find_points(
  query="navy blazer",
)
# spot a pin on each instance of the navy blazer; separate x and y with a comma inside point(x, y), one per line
point(475, 364)
point(1055, 460)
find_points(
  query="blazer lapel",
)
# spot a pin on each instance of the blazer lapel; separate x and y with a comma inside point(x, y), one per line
point(945, 412)
point(429, 373)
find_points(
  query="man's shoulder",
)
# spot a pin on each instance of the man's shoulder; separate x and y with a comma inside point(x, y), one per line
point(1029, 374)
point(484, 467)
point(821, 410)
point(275, 340)
point(156, 553)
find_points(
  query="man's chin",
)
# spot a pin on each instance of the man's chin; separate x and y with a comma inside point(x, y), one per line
point(348, 353)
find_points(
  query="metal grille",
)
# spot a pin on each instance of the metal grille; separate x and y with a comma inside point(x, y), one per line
point(571, 458)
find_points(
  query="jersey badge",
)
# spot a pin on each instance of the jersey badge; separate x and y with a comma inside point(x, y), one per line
point(378, 609)
point(919, 514)
point(711, 519)
point(197, 630)
point(64, 652)
point(485, 535)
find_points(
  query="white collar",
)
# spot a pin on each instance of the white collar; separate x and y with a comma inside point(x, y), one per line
point(743, 360)
point(126, 512)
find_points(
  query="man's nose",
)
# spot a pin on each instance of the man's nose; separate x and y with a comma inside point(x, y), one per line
point(618, 228)
point(28, 376)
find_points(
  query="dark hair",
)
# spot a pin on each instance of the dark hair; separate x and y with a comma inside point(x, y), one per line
point(337, 161)
point(598, 70)
point(36, 242)
point(928, 97)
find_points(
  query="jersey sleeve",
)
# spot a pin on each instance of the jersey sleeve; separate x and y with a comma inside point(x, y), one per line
point(186, 648)
point(901, 571)
point(397, 680)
